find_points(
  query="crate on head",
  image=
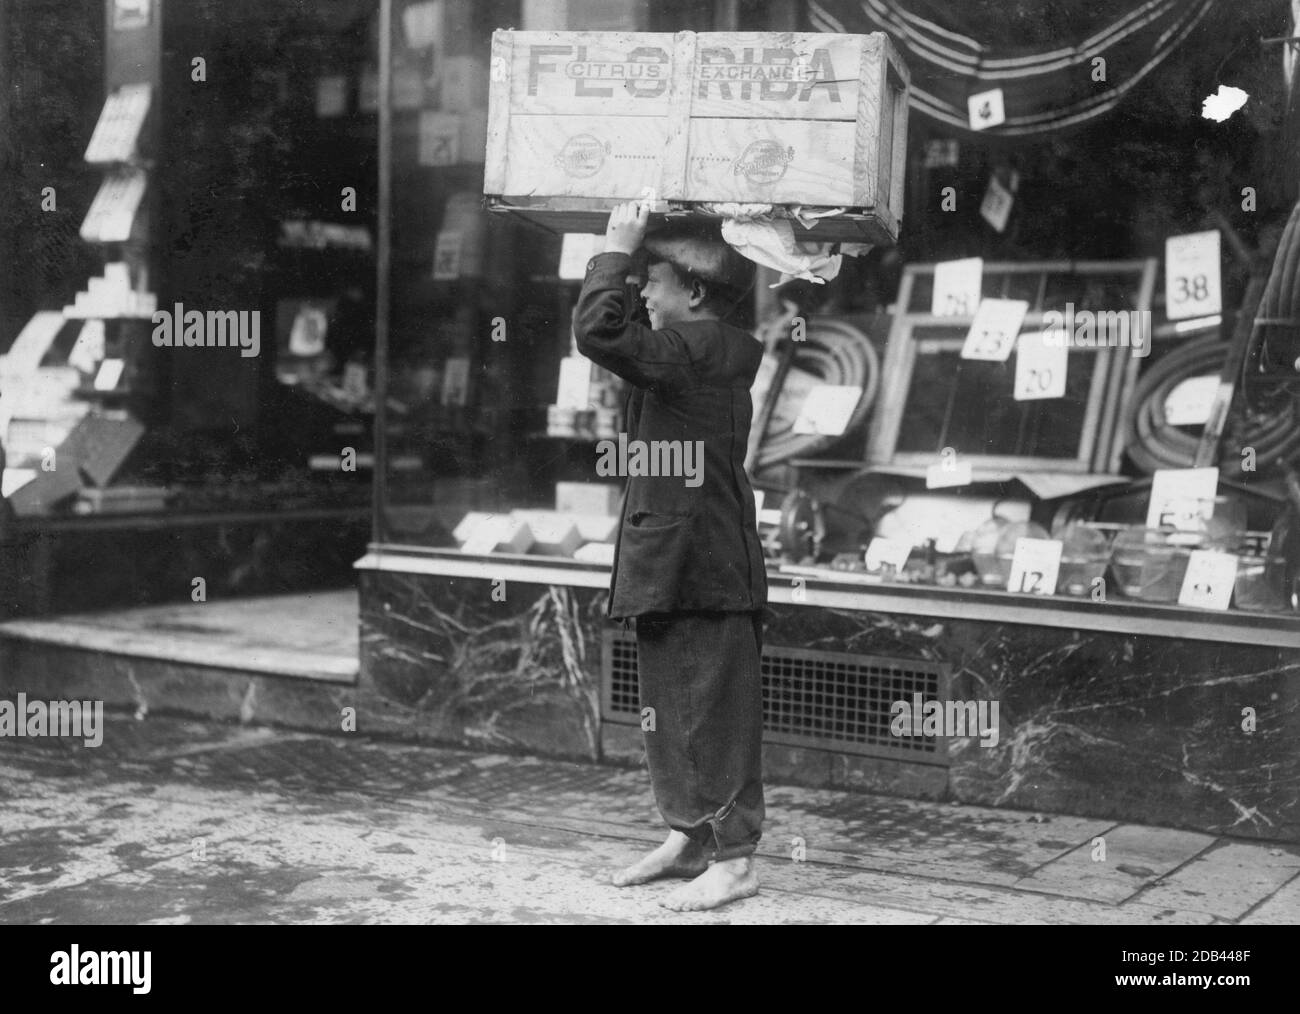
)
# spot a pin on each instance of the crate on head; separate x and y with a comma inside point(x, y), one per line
point(581, 120)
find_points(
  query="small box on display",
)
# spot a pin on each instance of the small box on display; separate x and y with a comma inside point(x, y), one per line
point(494, 533)
point(588, 498)
point(554, 533)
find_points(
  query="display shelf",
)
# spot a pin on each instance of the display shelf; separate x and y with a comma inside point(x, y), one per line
point(1115, 616)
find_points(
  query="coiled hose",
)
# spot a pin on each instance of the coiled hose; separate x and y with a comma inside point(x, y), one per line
point(838, 353)
point(1279, 315)
point(1153, 443)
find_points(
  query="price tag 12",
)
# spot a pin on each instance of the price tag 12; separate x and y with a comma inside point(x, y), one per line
point(993, 332)
point(957, 286)
point(1035, 566)
point(1209, 579)
point(1192, 275)
point(1042, 359)
point(887, 552)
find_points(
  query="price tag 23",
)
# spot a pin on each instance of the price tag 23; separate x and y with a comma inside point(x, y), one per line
point(1035, 566)
point(1209, 579)
point(1042, 359)
point(993, 332)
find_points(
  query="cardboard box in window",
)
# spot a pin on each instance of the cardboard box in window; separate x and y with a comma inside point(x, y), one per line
point(581, 120)
point(600, 498)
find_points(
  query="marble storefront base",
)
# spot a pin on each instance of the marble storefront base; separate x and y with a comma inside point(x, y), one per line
point(1143, 728)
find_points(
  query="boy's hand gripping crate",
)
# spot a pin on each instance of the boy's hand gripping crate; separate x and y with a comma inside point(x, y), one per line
point(581, 120)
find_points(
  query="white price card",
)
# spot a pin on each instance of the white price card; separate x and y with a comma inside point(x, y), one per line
point(110, 372)
point(117, 131)
point(827, 409)
point(944, 474)
point(1209, 579)
point(576, 249)
point(993, 332)
point(885, 552)
point(1182, 498)
point(113, 210)
point(1191, 401)
point(1192, 275)
point(986, 109)
point(957, 286)
point(1034, 566)
point(1042, 359)
point(446, 257)
point(996, 206)
point(439, 139)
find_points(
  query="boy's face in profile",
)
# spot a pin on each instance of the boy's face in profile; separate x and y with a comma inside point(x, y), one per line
point(667, 300)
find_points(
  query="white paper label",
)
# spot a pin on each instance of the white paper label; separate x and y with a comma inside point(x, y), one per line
point(439, 139)
point(957, 286)
point(576, 250)
point(1034, 566)
point(1042, 359)
point(1191, 401)
point(994, 330)
point(986, 109)
point(1192, 275)
point(827, 409)
point(887, 552)
point(996, 206)
point(941, 475)
point(307, 334)
point(118, 130)
point(1209, 579)
point(1182, 497)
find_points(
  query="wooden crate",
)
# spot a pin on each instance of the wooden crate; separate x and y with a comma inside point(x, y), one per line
point(581, 120)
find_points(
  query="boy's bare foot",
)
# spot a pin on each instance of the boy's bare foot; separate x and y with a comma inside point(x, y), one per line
point(678, 856)
point(724, 881)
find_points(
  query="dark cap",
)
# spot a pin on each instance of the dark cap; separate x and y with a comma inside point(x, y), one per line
point(697, 248)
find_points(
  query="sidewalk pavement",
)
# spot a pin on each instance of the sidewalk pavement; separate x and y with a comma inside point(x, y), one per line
point(174, 821)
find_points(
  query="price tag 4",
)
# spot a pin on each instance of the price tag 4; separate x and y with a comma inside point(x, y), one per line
point(1209, 579)
point(1035, 566)
point(1192, 275)
point(957, 286)
point(1042, 359)
point(993, 332)
point(885, 552)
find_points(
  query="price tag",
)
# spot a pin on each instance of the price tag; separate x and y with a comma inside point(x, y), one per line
point(113, 210)
point(1034, 566)
point(1191, 402)
point(110, 372)
point(1209, 579)
point(307, 333)
point(1042, 359)
point(1182, 497)
point(117, 131)
point(941, 475)
point(576, 249)
point(885, 552)
point(439, 139)
point(957, 286)
point(1192, 275)
point(995, 327)
point(986, 109)
point(446, 257)
point(996, 206)
point(827, 409)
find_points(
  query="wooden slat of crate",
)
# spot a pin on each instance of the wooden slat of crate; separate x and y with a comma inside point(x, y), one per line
point(825, 84)
point(770, 161)
point(577, 156)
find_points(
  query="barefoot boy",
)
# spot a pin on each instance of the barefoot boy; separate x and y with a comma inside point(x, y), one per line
point(688, 564)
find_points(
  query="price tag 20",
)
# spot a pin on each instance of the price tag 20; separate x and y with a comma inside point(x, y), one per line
point(885, 552)
point(1042, 359)
point(1192, 275)
point(1035, 566)
point(1209, 579)
point(957, 286)
point(993, 332)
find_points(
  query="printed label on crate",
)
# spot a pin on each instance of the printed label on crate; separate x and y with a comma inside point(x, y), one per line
point(957, 286)
point(1192, 275)
point(1209, 579)
point(994, 330)
point(1034, 566)
point(1041, 365)
point(986, 109)
point(890, 552)
point(1182, 497)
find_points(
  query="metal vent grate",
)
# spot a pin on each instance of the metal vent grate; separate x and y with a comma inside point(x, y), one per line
point(823, 699)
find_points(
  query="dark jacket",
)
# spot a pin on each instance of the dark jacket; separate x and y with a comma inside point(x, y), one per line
point(680, 547)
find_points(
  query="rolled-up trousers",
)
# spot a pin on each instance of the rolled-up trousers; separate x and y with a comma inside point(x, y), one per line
point(700, 673)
